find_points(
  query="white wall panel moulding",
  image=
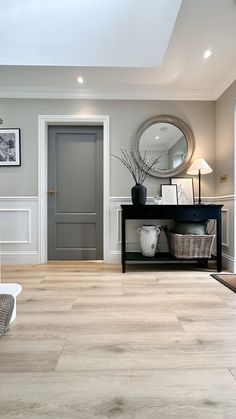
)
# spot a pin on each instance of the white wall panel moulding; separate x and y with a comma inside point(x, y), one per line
point(18, 198)
point(15, 225)
point(225, 227)
point(150, 198)
point(18, 229)
point(128, 199)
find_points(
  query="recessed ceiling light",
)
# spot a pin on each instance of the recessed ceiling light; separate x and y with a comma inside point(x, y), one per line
point(207, 54)
point(157, 138)
point(80, 80)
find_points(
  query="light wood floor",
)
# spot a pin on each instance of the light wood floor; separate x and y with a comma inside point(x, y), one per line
point(92, 343)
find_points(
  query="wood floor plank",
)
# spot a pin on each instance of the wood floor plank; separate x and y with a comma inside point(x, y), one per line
point(77, 323)
point(209, 320)
point(85, 288)
point(159, 394)
point(31, 353)
point(173, 289)
point(40, 304)
point(153, 303)
point(153, 351)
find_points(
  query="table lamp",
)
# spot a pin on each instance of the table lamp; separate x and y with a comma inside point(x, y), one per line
point(199, 167)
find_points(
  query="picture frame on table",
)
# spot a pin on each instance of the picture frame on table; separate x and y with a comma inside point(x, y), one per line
point(185, 189)
point(169, 194)
point(10, 147)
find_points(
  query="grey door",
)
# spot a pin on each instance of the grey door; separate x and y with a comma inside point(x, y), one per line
point(75, 192)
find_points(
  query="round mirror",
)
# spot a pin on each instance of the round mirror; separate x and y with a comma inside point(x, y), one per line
point(168, 141)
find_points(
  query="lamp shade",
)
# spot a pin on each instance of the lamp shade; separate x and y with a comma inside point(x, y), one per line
point(199, 165)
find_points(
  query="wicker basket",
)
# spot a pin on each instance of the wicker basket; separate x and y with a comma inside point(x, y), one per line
point(189, 246)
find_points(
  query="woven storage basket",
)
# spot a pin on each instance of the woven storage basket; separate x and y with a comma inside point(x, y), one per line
point(189, 246)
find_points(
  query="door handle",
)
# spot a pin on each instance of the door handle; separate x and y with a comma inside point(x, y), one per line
point(52, 192)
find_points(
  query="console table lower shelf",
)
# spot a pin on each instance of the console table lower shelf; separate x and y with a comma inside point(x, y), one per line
point(186, 213)
point(165, 258)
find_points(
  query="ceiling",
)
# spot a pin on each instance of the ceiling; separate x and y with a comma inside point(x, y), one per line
point(100, 33)
point(124, 49)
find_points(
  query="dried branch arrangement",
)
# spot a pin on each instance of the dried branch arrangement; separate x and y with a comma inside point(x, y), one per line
point(138, 170)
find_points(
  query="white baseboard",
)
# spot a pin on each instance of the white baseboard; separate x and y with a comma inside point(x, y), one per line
point(228, 262)
point(114, 258)
point(20, 258)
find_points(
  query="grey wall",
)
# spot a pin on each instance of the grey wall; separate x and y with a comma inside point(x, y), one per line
point(225, 109)
point(125, 118)
point(225, 122)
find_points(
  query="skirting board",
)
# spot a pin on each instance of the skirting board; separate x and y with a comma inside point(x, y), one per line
point(114, 258)
point(19, 258)
point(32, 258)
point(228, 262)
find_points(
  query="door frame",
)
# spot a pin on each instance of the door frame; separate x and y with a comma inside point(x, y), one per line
point(43, 122)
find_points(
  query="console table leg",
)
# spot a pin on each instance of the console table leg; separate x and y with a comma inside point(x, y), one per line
point(219, 265)
point(123, 241)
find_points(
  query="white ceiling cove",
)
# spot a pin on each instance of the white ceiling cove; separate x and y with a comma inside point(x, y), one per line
point(106, 33)
point(124, 49)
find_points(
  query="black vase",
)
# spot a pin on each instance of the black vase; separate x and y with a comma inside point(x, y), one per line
point(139, 194)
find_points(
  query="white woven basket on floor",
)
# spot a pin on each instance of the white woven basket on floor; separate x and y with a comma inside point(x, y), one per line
point(191, 246)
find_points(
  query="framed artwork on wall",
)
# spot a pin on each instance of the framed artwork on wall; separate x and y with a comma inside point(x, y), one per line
point(184, 189)
point(169, 194)
point(10, 147)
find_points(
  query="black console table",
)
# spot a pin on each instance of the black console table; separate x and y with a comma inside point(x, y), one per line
point(169, 212)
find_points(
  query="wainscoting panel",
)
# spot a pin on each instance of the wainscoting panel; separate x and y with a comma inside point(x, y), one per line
point(19, 229)
point(15, 225)
point(225, 227)
point(228, 231)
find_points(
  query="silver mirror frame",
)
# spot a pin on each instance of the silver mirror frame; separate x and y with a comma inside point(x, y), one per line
point(187, 132)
